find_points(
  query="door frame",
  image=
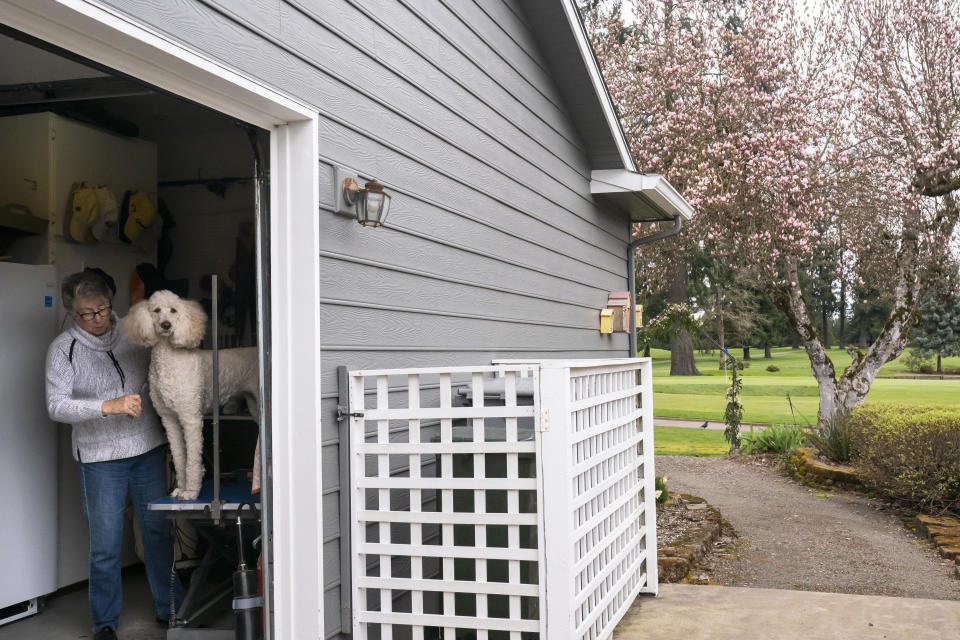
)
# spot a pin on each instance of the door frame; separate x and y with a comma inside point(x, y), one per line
point(118, 41)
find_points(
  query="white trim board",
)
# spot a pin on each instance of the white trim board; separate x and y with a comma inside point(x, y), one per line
point(115, 41)
point(97, 33)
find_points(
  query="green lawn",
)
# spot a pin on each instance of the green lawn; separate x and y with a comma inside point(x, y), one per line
point(765, 393)
point(682, 441)
point(790, 361)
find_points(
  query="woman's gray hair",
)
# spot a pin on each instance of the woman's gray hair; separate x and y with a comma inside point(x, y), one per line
point(84, 284)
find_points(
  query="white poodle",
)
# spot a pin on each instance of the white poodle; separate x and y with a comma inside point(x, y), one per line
point(181, 377)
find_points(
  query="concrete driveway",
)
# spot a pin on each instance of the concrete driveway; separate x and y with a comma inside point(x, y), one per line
point(690, 612)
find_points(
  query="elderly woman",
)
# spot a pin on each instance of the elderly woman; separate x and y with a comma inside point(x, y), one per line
point(96, 381)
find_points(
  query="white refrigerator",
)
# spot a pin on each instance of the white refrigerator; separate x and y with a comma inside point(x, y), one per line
point(28, 439)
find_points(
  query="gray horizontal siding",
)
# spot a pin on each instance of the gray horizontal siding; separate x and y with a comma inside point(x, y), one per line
point(396, 248)
point(495, 248)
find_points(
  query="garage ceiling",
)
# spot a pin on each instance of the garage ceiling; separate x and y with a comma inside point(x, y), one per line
point(23, 63)
point(34, 79)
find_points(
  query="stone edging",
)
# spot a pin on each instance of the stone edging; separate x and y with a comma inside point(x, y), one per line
point(675, 562)
point(942, 531)
point(804, 466)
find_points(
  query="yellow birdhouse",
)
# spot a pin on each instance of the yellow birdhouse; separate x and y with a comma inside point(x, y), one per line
point(606, 321)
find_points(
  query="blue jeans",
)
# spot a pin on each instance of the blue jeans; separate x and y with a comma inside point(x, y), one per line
point(104, 487)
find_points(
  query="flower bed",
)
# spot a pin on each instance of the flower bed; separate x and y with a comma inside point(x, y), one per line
point(687, 527)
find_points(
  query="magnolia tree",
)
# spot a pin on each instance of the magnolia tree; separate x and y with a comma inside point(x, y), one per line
point(895, 164)
point(794, 133)
point(653, 68)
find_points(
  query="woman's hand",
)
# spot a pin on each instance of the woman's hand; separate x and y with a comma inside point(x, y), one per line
point(124, 405)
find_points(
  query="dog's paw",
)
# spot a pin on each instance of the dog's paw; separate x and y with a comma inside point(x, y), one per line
point(175, 493)
point(187, 494)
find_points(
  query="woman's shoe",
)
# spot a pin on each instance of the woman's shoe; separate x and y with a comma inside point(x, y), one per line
point(106, 633)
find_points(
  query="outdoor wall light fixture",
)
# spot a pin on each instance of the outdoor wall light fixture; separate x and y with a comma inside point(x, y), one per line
point(372, 203)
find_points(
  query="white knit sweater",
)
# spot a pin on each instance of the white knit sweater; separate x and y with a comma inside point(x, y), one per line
point(77, 387)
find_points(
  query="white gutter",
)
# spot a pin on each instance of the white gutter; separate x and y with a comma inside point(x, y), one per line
point(663, 200)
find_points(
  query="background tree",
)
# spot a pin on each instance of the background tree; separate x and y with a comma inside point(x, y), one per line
point(939, 329)
point(653, 68)
point(779, 127)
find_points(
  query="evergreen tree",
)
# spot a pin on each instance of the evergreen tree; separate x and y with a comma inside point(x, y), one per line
point(938, 332)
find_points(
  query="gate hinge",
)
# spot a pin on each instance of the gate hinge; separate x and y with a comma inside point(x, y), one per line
point(343, 413)
point(545, 420)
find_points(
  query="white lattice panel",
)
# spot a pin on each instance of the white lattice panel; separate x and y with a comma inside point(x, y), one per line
point(508, 502)
point(599, 510)
point(445, 524)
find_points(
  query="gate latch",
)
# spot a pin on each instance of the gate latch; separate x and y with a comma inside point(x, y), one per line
point(343, 413)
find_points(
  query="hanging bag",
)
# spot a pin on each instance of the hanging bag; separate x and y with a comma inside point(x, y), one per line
point(136, 214)
point(83, 210)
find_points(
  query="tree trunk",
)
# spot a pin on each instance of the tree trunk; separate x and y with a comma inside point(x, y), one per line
point(746, 353)
point(766, 351)
point(719, 314)
point(839, 395)
point(939, 367)
point(862, 337)
point(826, 329)
point(646, 350)
point(681, 344)
point(843, 313)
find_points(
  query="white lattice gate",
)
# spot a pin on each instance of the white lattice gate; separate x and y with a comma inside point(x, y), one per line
point(477, 492)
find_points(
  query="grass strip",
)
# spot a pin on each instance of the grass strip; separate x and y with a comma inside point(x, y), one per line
point(684, 441)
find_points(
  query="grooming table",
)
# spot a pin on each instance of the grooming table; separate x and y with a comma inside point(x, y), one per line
point(207, 593)
point(233, 493)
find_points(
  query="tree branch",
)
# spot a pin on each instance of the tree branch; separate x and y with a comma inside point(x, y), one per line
point(938, 187)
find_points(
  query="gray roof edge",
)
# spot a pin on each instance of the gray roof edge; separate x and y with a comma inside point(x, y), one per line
point(589, 57)
point(569, 58)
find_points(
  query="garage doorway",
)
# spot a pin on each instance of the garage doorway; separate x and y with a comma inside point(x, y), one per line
point(182, 84)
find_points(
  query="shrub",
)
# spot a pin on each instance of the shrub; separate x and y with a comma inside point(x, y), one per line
point(772, 368)
point(910, 454)
point(918, 360)
point(834, 439)
point(780, 439)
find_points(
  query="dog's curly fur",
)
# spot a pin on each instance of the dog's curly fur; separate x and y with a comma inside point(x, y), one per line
point(181, 377)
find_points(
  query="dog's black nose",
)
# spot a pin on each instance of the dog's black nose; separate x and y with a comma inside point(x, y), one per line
point(165, 325)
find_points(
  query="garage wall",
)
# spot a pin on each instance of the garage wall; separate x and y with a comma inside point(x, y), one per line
point(495, 248)
point(207, 223)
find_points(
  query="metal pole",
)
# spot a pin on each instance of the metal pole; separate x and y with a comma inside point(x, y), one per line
point(263, 326)
point(346, 561)
point(215, 336)
point(632, 275)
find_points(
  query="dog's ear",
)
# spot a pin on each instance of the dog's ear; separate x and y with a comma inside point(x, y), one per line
point(138, 325)
point(191, 325)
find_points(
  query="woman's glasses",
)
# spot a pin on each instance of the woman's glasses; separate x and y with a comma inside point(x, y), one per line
point(99, 313)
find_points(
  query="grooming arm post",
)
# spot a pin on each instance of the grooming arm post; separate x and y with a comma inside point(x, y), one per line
point(215, 335)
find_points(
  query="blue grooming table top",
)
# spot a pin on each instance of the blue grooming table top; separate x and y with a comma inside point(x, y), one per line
point(233, 492)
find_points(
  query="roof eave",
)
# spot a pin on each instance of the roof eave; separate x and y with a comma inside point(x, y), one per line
point(645, 197)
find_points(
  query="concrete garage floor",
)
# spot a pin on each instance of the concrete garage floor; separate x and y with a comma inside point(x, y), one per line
point(67, 614)
point(692, 612)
